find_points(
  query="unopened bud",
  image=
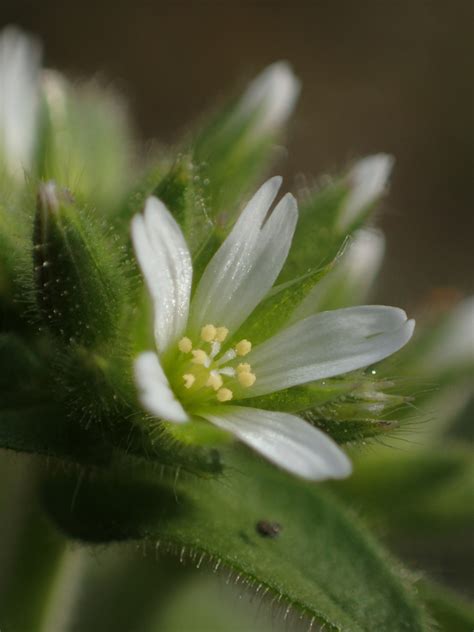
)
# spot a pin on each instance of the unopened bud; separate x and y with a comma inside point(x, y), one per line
point(367, 181)
point(76, 276)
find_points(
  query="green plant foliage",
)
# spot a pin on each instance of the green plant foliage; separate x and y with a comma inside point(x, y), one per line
point(80, 282)
point(74, 315)
point(85, 141)
point(182, 191)
point(29, 549)
point(231, 159)
point(317, 239)
point(322, 564)
point(275, 311)
point(432, 486)
point(452, 613)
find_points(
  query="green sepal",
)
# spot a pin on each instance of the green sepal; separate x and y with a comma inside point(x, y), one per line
point(79, 273)
point(182, 191)
point(304, 396)
point(198, 432)
point(273, 313)
point(231, 158)
point(319, 237)
point(317, 240)
point(350, 430)
point(367, 411)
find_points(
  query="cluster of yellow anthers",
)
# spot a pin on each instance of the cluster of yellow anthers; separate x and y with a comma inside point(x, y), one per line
point(216, 368)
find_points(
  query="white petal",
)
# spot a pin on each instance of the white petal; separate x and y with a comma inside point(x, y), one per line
point(164, 258)
point(284, 439)
point(20, 57)
point(155, 392)
point(271, 97)
point(247, 264)
point(351, 279)
point(328, 344)
point(367, 179)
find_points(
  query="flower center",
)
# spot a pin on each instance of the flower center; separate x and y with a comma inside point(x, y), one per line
point(206, 372)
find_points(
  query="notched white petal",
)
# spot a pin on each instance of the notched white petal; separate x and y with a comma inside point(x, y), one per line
point(247, 264)
point(284, 439)
point(155, 393)
point(165, 261)
point(328, 344)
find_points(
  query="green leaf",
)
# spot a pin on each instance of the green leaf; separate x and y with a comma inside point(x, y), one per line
point(422, 501)
point(29, 548)
point(408, 492)
point(322, 562)
point(451, 612)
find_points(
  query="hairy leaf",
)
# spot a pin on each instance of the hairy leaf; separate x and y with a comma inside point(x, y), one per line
point(321, 562)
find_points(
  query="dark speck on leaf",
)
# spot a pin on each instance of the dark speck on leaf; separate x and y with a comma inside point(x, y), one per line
point(268, 529)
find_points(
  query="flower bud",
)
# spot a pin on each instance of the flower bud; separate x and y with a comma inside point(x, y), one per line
point(367, 181)
point(76, 273)
point(237, 145)
point(19, 69)
point(269, 99)
point(350, 281)
point(85, 140)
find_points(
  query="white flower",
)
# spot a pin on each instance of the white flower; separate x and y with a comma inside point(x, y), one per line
point(270, 97)
point(367, 179)
point(199, 368)
point(20, 57)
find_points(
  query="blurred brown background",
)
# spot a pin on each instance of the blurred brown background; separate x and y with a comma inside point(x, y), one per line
point(386, 75)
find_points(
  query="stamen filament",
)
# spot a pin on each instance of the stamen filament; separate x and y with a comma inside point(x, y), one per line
point(228, 355)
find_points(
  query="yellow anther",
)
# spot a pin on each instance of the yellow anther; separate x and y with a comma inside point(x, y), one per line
point(208, 333)
point(243, 367)
point(214, 381)
point(243, 347)
point(189, 380)
point(224, 394)
point(200, 356)
point(221, 334)
point(185, 345)
point(246, 378)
